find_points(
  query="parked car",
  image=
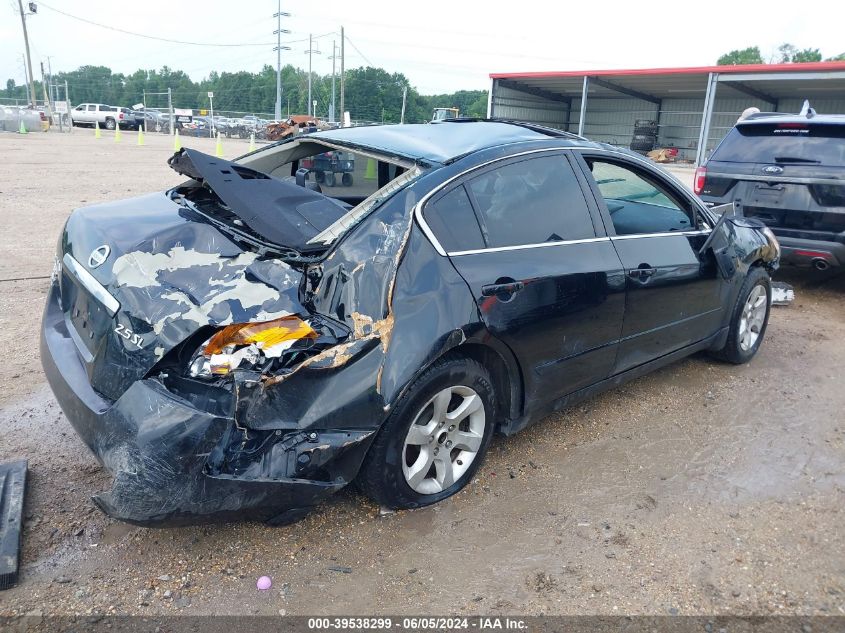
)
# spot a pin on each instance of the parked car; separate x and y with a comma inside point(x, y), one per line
point(788, 171)
point(89, 114)
point(155, 121)
point(131, 120)
point(253, 345)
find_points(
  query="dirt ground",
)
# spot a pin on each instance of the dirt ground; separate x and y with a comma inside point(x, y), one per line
point(704, 488)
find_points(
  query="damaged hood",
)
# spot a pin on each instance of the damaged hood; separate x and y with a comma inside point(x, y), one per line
point(171, 275)
point(282, 212)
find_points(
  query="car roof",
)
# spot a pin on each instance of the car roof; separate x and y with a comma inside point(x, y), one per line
point(768, 118)
point(445, 141)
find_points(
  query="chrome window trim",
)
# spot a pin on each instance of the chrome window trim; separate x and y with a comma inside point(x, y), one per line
point(93, 286)
point(780, 179)
point(426, 229)
point(663, 234)
point(519, 247)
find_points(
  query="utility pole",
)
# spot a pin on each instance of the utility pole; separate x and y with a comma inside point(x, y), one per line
point(311, 50)
point(170, 109)
point(279, 48)
point(342, 77)
point(404, 100)
point(44, 90)
point(334, 57)
point(53, 93)
point(28, 58)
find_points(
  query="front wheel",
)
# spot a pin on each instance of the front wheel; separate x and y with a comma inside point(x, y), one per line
point(749, 318)
point(435, 439)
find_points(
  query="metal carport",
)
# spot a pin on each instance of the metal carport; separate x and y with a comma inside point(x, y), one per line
point(690, 105)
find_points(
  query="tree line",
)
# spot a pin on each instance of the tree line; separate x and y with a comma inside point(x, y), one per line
point(786, 54)
point(371, 94)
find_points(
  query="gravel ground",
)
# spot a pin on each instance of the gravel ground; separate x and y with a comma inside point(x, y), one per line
point(704, 488)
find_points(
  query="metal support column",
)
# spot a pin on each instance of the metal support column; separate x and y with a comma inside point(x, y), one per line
point(704, 134)
point(583, 115)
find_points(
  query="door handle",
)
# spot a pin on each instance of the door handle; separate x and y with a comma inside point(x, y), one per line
point(499, 289)
point(643, 272)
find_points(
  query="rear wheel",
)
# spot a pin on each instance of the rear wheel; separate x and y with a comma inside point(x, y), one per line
point(435, 439)
point(749, 319)
point(330, 179)
point(346, 179)
point(110, 124)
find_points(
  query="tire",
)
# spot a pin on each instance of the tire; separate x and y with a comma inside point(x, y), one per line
point(319, 176)
point(744, 338)
point(396, 457)
point(329, 179)
point(346, 180)
point(110, 124)
point(645, 128)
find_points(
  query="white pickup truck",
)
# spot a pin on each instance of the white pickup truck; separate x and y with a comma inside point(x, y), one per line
point(107, 116)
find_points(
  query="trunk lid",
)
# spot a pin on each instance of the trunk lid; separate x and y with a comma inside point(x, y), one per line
point(161, 274)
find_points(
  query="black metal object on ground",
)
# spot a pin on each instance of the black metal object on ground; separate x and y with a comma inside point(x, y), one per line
point(12, 486)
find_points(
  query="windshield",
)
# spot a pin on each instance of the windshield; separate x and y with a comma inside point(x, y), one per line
point(787, 142)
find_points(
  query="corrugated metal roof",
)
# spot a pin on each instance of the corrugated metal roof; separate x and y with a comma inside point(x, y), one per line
point(820, 79)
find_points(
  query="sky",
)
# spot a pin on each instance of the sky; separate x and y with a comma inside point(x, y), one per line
point(441, 46)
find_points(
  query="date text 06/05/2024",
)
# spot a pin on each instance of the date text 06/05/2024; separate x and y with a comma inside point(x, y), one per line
point(421, 623)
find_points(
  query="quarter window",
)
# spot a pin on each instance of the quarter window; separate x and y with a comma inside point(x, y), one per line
point(637, 203)
point(531, 202)
point(452, 220)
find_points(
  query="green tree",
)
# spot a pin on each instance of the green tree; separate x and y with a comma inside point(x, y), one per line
point(807, 55)
point(836, 58)
point(790, 54)
point(750, 55)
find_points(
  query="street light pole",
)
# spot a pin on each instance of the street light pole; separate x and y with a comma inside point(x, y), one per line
point(279, 48)
point(28, 56)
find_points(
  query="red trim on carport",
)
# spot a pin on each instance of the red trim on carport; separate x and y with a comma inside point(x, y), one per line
point(744, 68)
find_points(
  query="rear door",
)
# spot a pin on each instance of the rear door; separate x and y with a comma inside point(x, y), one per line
point(674, 297)
point(523, 235)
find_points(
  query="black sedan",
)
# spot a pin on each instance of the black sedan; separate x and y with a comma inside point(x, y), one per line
point(244, 345)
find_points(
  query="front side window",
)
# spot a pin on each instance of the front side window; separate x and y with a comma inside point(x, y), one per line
point(532, 201)
point(637, 202)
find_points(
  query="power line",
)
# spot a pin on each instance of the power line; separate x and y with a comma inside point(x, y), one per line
point(364, 57)
point(165, 39)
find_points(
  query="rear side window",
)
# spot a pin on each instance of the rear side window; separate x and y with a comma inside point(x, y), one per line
point(453, 222)
point(785, 143)
point(530, 202)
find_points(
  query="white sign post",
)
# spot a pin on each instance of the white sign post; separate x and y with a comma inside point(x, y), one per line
point(211, 101)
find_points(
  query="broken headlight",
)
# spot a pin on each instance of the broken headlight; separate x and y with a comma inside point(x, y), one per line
point(247, 345)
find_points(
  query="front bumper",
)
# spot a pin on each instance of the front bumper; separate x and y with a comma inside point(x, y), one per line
point(157, 446)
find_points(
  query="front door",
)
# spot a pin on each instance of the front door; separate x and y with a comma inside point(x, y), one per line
point(673, 296)
point(522, 235)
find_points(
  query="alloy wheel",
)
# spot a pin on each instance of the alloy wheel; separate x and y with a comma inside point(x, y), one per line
point(444, 440)
point(753, 317)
